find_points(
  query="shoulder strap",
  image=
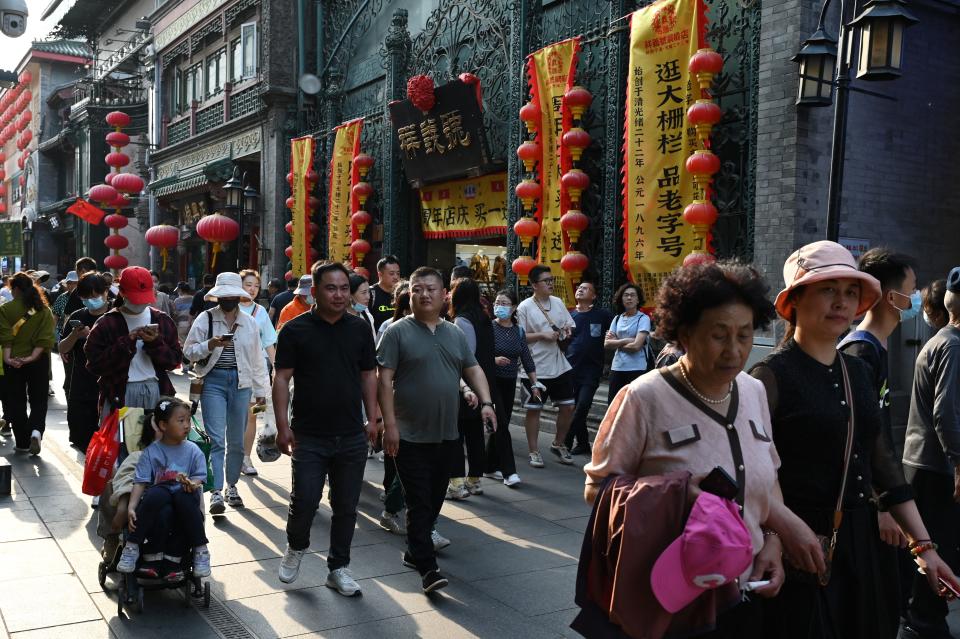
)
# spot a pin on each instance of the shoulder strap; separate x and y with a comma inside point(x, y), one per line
point(209, 324)
point(537, 302)
point(861, 336)
point(847, 453)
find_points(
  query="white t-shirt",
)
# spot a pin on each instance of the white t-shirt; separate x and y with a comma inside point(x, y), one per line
point(547, 356)
point(141, 367)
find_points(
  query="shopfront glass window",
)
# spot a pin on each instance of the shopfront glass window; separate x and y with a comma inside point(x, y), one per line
point(248, 38)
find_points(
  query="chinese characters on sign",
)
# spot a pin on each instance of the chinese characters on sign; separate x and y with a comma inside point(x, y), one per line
point(446, 142)
point(11, 239)
point(474, 208)
point(301, 159)
point(658, 141)
point(346, 145)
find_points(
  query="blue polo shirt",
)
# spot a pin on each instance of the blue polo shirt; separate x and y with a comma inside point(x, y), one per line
point(585, 352)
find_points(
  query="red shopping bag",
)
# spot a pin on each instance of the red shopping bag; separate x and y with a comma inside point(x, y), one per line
point(101, 456)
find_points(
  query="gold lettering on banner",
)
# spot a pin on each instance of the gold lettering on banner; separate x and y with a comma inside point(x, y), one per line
point(238, 146)
point(185, 22)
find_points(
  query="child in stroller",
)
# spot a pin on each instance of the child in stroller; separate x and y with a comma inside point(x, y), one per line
point(168, 479)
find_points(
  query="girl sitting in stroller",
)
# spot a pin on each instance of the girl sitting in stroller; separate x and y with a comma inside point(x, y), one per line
point(171, 472)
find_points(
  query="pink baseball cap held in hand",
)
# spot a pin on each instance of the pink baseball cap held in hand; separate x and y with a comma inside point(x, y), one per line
point(714, 549)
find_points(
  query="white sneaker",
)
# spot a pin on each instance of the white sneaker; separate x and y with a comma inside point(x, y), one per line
point(201, 562)
point(343, 582)
point(472, 484)
point(247, 468)
point(380, 457)
point(536, 460)
point(290, 565)
point(512, 480)
point(128, 558)
point(233, 497)
point(497, 475)
point(439, 541)
point(217, 506)
point(391, 523)
point(35, 438)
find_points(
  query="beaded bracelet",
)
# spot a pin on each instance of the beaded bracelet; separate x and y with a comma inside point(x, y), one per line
point(767, 532)
point(918, 548)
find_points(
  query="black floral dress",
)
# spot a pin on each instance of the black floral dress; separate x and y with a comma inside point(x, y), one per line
point(809, 411)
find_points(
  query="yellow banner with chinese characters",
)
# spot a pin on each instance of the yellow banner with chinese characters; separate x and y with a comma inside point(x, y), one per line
point(657, 140)
point(476, 207)
point(346, 145)
point(301, 159)
point(551, 71)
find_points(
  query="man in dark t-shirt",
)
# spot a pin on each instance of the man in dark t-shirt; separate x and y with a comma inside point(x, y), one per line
point(381, 303)
point(199, 304)
point(585, 354)
point(330, 355)
point(280, 300)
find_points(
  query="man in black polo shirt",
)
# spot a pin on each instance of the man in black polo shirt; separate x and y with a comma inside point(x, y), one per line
point(200, 303)
point(381, 293)
point(330, 356)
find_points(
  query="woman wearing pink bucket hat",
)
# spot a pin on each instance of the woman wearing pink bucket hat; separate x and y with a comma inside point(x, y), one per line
point(833, 456)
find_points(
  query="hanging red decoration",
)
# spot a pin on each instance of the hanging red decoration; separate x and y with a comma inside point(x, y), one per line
point(530, 114)
point(116, 159)
point(363, 162)
point(362, 272)
point(108, 178)
point(3, 207)
point(115, 262)
point(576, 140)
point(362, 190)
point(574, 264)
point(361, 219)
point(528, 191)
point(575, 182)
point(313, 203)
point(529, 154)
point(702, 165)
point(118, 139)
point(522, 267)
point(474, 81)
point(25, 77)
point(526, 229)
point(704, 115)
point(359, 249)
point(574, 222)
point(217, 229)
point(3, 190)
point(127, 182)
point(103, 193)
point(118, 119)
point(705, 64)
point(164, 237)
point(420, 92)
point(115, 222)
point(22, 180)
point(312, 177)
point(116, 242)
point(578, 100)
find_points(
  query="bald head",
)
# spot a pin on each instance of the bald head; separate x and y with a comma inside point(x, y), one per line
point(951, 301)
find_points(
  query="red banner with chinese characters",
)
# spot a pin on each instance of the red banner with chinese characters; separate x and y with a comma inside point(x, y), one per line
point(476, 207)
point(657, 141)
point(340, 199)
point(301, 162)
point(551, 73)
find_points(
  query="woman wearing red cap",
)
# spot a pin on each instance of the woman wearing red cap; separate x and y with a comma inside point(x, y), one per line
point(133, 346)
point(833, 460)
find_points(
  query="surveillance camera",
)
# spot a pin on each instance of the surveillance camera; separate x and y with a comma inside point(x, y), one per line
point(13, 17)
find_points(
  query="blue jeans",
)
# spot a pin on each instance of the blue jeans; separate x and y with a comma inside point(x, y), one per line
point(224, 408)
point(341, 460)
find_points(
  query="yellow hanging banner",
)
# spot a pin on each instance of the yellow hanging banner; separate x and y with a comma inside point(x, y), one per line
point(475, 207)
point(551, 72)
point(346, 145)
point(657, 140)
point(301, 161)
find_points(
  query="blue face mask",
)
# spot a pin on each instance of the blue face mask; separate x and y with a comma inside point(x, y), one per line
point(502, 312)
point(358, 307)
point(915, 306)
point(94, 303)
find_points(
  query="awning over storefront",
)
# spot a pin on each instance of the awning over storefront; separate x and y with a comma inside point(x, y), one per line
point(171, 186)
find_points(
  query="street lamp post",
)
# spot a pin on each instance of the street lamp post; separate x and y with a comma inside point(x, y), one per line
point(880, 29)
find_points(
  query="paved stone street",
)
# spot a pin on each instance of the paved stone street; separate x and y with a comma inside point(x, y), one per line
point(511, 564)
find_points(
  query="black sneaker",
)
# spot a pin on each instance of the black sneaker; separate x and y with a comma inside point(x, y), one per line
point(581, 449)
point(408, 561)
point(433, 580)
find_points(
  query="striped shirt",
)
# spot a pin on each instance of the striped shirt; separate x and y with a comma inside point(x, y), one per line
point(228, 357)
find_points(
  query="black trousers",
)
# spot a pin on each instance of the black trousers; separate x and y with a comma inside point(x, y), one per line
point(83, 419)
point(188, 517)
point(423, 470)
point(933, 492)
point(578, 425)
point(470, 425)
point(29, 383)
point(500, 444)
point(619, 379)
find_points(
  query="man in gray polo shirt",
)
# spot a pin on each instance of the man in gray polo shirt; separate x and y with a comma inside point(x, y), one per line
point(421, 361)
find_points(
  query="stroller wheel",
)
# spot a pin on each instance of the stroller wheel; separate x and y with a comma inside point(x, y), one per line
point(206, 594)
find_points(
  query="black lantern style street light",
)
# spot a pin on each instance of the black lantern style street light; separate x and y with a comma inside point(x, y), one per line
point(250, 198)
point(880, 30)
point(233, 190)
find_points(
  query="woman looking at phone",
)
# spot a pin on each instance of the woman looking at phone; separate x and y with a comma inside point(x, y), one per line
point(224, 344)
point(704, 412)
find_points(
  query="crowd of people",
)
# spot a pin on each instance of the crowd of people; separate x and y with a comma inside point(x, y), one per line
point(790, 467)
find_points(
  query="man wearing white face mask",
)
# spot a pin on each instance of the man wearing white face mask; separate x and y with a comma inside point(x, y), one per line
point(300, 304)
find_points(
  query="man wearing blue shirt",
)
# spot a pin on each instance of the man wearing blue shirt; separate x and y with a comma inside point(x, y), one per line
point(585, 354)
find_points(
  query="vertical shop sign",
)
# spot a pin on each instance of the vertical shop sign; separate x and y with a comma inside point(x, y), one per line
point(346, 144)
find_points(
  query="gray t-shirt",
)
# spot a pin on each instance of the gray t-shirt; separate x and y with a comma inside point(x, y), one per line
point(933, 427)
point(426, 383)
point(159, 464)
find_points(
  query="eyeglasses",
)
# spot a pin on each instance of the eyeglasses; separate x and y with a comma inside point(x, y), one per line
point(545, 280)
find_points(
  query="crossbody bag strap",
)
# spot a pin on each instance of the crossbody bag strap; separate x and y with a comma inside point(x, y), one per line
point(549, 321)
point(847, 454)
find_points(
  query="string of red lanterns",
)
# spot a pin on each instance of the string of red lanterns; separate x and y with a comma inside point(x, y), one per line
point(528, 191)
point(702, 164)
point(574, 182)
point(360, 218)
point(311, 229)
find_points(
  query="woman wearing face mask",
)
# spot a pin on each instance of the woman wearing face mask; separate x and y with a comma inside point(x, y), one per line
point(82, 417)
point(360, 292)
point(934, 311)
point(510, 349)
point(132, 347)
point(224, 344)
point(268, 340)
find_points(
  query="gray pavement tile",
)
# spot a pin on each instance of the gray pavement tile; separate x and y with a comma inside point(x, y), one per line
point(555, 508)
point(164, 617)
point(31, 558)
point(63, 507)
point(487, 530)
point(436, 625)
point(560, 622)
point(48, 485)
point(85, 564)
point(241, 547)
point(18, 605)
point(513, 557)
point(17, 525)
point(256, 578)
point(377, 561)
point(24, 465)
point(476, 506)
point(85, 630)
point(73, 536)
point(533, 593)
point(576, 524)
point(17, 499)
point(316, 609)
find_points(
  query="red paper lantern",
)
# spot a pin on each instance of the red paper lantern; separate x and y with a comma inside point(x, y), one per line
point(116, 242)
point(3, 190)
point(25, 78)
point(578, 100)
point(362, 272)
point(164, 237)
point(312, 176)
point(363, 190)
point(21, 161)
point(118, 139)
point(575, 182)
point(420, 92)
point(127, 183)
point(103, 193)
point(699, 258)
point(27, 136)
point(116, 159)
point(288, 252)
point(312, 228)
point(115, 262)
point(22, 180)
point(700, 213)
point(3, 157)
point(530, 115)
point(529, 154)
point(361, 219)
point(704, 112)
point(115, 221)
point(118, 119)
point(576, 139)
point(288, 227)
point(528, 191)
point(217, 229)
point(574, 222)
point(522, 267)
point(574, 264)
point(108, 178)
point(3, 207)
point(364, 163)
point(702, 165)
point(313, 203)
point(359, 248)
point(290, 179)
point(291, 202)
point(706, 61)
point(526, 229)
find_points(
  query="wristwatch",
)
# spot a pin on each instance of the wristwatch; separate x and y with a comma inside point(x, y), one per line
point(490, 404)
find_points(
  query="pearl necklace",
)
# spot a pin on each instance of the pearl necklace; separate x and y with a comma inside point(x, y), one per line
point(715, 402)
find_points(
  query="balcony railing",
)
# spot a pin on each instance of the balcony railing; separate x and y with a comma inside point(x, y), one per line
point(200, 119)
